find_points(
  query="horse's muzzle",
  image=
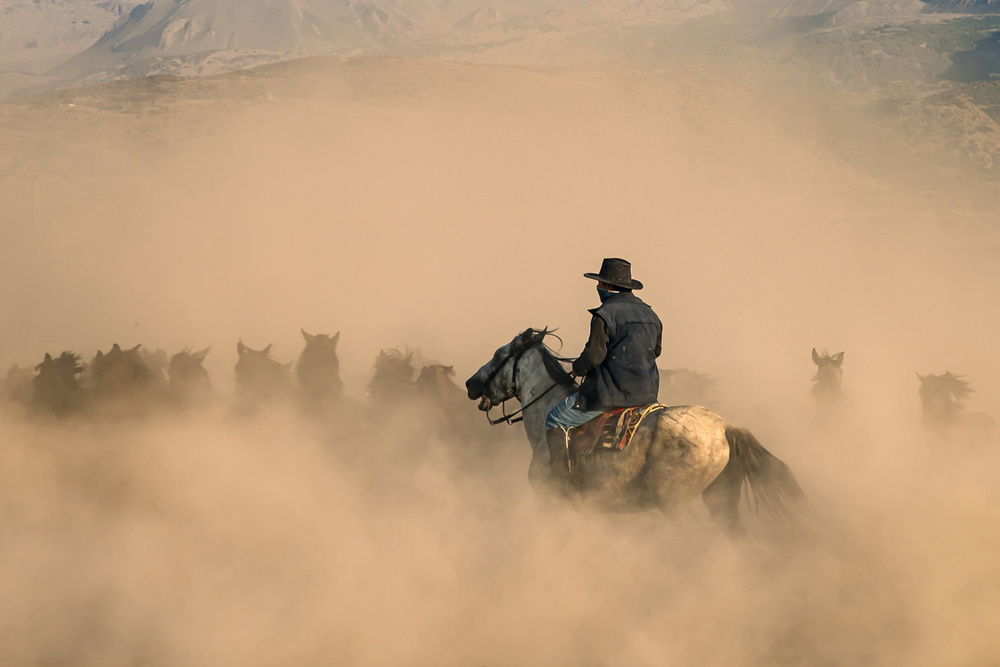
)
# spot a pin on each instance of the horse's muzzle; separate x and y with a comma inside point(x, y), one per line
point(475, 388)
point(485, 404)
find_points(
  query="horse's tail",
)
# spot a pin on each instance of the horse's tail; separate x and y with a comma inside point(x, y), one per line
point(768, 480)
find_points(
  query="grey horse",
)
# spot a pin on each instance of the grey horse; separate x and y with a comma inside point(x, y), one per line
point(826, 389)
point(676, 453)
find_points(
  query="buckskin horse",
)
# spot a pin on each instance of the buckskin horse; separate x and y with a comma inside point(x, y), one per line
point(675, 454)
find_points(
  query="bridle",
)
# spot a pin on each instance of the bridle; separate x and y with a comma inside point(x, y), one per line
point(518, 415)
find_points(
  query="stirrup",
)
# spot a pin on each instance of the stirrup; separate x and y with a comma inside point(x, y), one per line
point(566, 469)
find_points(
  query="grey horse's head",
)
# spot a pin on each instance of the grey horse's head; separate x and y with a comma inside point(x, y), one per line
point(829, 374)
point(494, 382)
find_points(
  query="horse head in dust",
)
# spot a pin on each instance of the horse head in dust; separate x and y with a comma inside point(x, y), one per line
point(318, 368)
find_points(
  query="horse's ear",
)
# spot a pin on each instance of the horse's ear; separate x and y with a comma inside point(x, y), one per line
point(136, 348)
point(267, 350)
point(525, 336)
point(98, 356)
point(48, 357)
point(921, 377)
point(241, 348)
point(815, 357)
point(335, 339)
point(540, 336)
point(115, 348)
point(837, 359)
point(201, 354)
point(309, 339)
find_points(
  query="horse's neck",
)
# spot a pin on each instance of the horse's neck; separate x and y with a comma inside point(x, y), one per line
point(534, 381)
point(828, 380)
point(828, 391)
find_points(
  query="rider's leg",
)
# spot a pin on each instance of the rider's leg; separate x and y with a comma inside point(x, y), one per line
point(560, 419)
point(558, 441)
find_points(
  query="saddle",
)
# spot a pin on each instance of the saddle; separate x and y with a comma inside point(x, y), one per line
point(612, 430)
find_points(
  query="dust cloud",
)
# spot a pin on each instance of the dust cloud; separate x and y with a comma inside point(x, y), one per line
point(447, 207)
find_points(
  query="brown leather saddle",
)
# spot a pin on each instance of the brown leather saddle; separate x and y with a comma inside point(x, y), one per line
point(612, 430)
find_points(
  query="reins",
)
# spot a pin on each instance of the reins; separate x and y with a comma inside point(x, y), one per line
point(518, 415)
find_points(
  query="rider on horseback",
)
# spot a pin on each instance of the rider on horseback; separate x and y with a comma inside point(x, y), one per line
point(618, 364)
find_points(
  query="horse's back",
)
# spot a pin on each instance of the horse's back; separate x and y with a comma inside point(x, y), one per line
point(675, 454)
point(688, 451)
point(695, 422)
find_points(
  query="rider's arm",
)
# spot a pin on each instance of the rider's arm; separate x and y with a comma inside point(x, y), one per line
point(595, 350)
point(659, 347)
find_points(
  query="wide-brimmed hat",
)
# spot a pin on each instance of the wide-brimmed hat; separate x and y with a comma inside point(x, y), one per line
point(617, 272)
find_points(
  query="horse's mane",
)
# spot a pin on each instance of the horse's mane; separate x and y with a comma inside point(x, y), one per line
point(552, 361)
point(395, 360)
point(949, 383)
point(67, 361)
point(430, 372)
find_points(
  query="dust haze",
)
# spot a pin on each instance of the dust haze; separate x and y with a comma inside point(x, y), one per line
point(446, 207)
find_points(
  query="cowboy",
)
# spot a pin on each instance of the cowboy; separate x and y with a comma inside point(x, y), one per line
point(618, 364)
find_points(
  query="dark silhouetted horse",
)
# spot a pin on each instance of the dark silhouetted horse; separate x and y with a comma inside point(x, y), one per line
point(392, 381)
point(455, 419)
point(440, 398)
point(17, 384)
point(942, 400)
point(123, 382)
point(318, 369)
point(259, 378)
point(157, 362)
point(436, 384)
point(189, 383)
point(57, 389)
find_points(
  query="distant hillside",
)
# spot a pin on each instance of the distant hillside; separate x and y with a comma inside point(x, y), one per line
point(116, 39)
point(37, 35)
point(965, 6)
point(188, 37)
point(200, 37)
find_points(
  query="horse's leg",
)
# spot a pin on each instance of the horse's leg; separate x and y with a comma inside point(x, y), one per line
point(539, 473)
point(723, 499)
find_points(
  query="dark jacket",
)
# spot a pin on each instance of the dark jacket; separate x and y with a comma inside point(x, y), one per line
point(618, 365)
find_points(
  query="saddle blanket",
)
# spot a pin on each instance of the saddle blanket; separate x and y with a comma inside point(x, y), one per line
point(612, 430)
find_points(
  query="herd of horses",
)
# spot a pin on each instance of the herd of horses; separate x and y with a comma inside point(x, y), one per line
point(122, 382)
point(943, 401)
point(677, 453)
point(129, 380)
